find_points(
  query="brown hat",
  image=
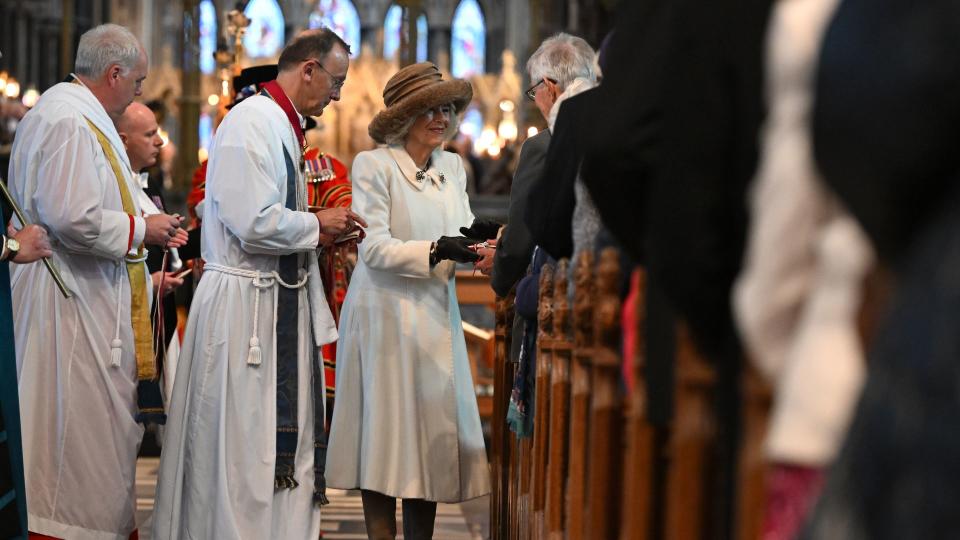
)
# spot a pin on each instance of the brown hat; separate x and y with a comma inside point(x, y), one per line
point(413, 90)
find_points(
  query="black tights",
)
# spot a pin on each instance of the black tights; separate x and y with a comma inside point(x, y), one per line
point(380, 516)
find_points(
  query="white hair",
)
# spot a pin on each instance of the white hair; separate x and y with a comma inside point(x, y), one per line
point(105, 45)
point(562, 58)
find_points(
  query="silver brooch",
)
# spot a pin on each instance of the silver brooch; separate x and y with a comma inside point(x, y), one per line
point(420, 176)
point(443, 178)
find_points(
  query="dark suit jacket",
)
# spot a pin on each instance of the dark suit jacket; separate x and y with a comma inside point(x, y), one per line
point(516, 244)
point(550, 219)
point(672, 145)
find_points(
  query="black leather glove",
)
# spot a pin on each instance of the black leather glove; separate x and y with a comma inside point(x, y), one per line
point(454, 248)
point(481, 228)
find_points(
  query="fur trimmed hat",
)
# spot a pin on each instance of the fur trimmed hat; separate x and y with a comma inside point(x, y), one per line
point(413, 90)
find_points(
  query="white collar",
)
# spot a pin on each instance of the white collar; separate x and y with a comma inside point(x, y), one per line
point(414, 174)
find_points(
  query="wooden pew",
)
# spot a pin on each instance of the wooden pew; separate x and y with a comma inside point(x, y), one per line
point(752, 463)
point(604, 475)
point(638, 459)
point(541, 402)
point(560, 349)
point(500, 455)
point(690, 448)
point(580, 387)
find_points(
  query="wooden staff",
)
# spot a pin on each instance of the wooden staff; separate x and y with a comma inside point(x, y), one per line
point(23, 221)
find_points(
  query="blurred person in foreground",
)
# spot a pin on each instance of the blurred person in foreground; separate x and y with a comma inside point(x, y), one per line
point(406, 424)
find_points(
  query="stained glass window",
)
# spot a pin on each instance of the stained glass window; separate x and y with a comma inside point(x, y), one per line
point(340, 16)
point(468, 49)
point(392, 27)
point(422, 38)
point(208, 36)
point(472, 123)
point(205, 128)
point(265, 35)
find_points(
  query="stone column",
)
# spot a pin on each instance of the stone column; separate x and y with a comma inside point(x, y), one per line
point(189, 102)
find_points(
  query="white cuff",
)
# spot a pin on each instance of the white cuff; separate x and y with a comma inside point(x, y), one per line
point(139, 231)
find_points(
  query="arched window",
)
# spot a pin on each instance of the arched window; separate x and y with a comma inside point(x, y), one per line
point(392, 28)
point(208, 36)
point(468, 48)
point(340, 16)
point(422, 38)
point(265, 35)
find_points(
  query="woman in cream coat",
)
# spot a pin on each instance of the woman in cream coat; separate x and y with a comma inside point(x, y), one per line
point(406, 424)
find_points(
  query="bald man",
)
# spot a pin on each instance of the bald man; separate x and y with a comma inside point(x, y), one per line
point(140, 134)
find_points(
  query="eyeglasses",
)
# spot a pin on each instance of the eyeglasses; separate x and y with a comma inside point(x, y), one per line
point(337, 82)
point(531, 92)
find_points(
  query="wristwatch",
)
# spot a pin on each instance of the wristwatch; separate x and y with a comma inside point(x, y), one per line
point(11, 247)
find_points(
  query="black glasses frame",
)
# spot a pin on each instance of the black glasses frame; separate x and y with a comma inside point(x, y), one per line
point(531, 92)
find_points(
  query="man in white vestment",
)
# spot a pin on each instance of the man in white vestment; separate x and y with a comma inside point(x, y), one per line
point(243, 453)
point(79, 359)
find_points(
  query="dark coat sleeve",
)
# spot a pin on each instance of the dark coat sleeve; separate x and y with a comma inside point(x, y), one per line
point(550, 217)
point(516, 244)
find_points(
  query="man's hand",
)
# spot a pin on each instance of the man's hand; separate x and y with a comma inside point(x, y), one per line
point(179, 240)
point(34, 244)
point(337, 221)
point(485, 264)
point(170, 282)
point(162, 229)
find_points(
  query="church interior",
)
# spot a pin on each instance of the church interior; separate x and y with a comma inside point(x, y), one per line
point(730, 320)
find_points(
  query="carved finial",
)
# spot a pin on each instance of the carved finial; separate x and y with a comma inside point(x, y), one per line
point(545, 304)
point(561, 307)
point(583, 296)
point(608, 305)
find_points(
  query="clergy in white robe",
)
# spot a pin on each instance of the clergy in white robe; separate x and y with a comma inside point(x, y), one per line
point(77, 365)
point(219, 467)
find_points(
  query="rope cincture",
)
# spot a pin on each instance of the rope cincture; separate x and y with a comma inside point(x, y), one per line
point(261, 280)
point(116, 346)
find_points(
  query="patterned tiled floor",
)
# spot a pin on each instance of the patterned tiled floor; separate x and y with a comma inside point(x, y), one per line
point(342, 519)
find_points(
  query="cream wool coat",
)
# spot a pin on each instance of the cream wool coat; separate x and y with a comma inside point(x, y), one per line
point(406, 422)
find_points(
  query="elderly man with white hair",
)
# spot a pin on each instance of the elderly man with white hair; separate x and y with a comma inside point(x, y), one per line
point(79, 359)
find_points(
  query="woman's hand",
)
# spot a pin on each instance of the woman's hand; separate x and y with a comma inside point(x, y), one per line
point(456, 248)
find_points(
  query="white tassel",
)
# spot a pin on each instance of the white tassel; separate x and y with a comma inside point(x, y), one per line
point(253, 357)
point(116, 349)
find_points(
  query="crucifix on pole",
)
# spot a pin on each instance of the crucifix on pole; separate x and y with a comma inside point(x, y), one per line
point(412, 9)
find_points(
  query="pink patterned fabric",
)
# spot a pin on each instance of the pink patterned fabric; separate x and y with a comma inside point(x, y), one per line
point(792, 491)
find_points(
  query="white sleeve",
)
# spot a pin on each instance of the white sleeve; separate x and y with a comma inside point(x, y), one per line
point(69, 196)
point(247, 199)
point(778, 268)
point(380, 250)
point(465, 199)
